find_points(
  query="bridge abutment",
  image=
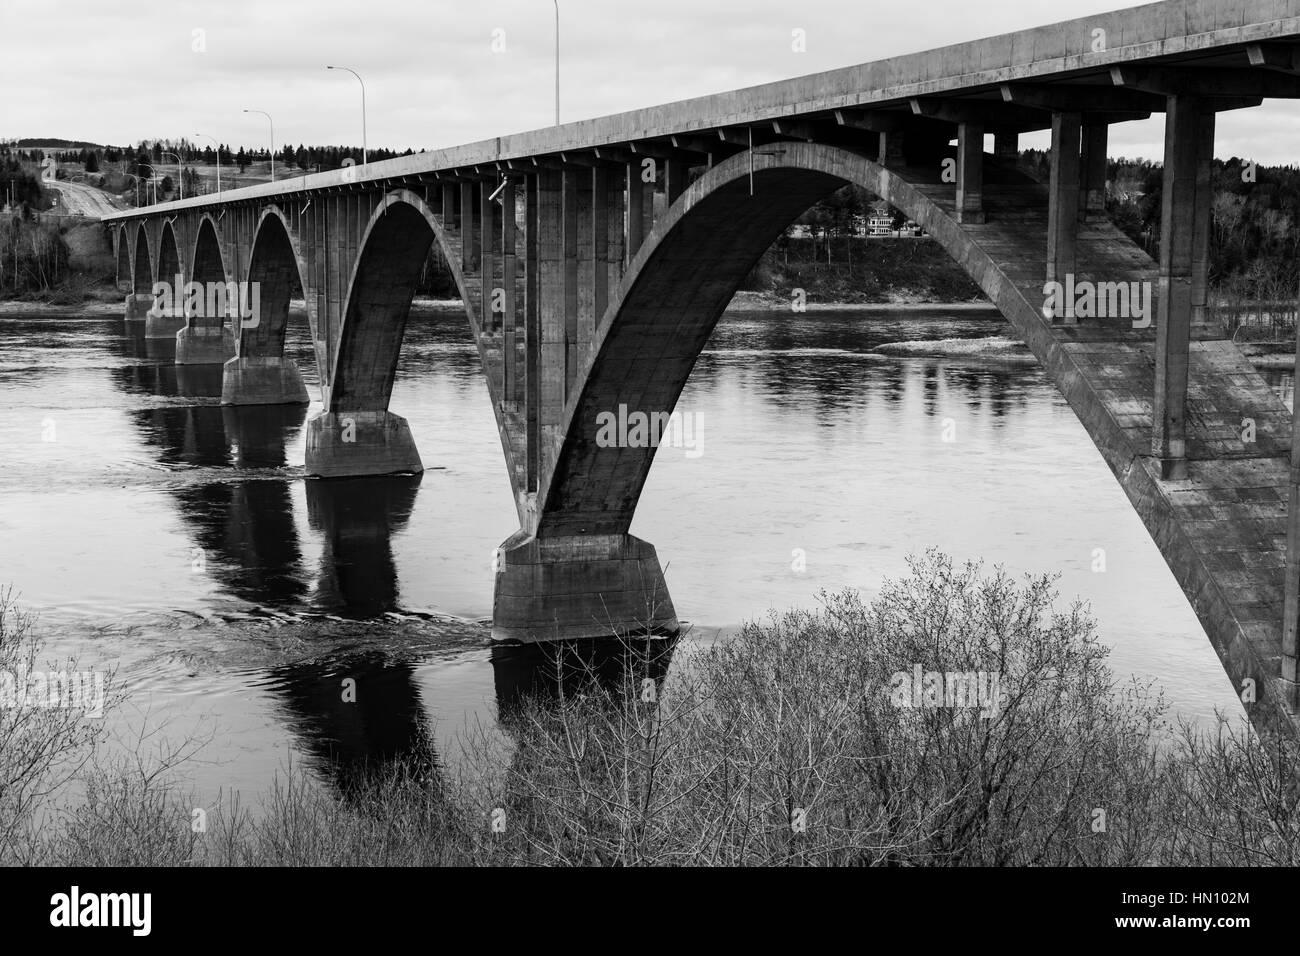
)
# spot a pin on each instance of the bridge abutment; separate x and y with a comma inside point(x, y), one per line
point(263, 380)
point(575, 587)
point(355, 444)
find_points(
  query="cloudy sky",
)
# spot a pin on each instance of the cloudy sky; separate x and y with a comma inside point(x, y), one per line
point(129, 70)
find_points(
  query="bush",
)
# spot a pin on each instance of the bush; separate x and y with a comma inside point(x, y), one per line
point(806, 739)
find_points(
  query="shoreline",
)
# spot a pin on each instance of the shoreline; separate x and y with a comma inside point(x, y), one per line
point(743, 302)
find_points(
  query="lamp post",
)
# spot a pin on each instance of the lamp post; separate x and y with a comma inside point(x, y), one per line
point(150, 181)
point(218, 146)
point(180, 174)
point(363, 107)
point(137, 186)
point(272, 122)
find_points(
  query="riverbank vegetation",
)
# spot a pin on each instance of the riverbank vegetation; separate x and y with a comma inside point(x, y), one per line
point(809, 738)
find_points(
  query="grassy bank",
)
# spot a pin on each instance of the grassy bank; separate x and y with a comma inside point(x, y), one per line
point(802, 740)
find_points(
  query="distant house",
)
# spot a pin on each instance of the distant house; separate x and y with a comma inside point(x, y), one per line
point(879, 225)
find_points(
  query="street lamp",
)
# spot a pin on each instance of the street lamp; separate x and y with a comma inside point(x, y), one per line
point(218, 146)
point(180, 175)
point(557, 61)
point(137, 186)
point(272, 122)
point(363, 108)
point(149, 181)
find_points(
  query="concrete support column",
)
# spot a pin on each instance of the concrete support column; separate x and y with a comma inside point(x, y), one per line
point(1006, 147)
point(1183, 143)
point(509, 276)
point(1063, 197)
point(448, 206)
point(551, 312)
point(970, 172)
point(635, 210)
point(531, 390)
point(138, 306)
point(890, 152)
point(349, 444)
point(570, 218)
point(487, 257)
point(614, 247)
point(468, 248)
point(600, 209)
point(1092, 166)
point(592, 586)
point(674, 179)
point(1202, 221)
point(1291, 582)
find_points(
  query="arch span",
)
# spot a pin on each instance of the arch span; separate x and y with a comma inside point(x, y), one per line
point(169, 258)
point(206, 340)
point(717, 222)
point(260, 374)
point(141, 263)
point(207, 261)
point(394, 246)
point(124, 282)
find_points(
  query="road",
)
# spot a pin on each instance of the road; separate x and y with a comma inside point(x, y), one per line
point(80, 199)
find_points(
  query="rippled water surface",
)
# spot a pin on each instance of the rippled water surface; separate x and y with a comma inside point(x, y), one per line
point(154, 530)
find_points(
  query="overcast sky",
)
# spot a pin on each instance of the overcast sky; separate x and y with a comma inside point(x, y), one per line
point(126, 70)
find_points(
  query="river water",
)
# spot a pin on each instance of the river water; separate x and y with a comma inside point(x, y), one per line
point(155, 532)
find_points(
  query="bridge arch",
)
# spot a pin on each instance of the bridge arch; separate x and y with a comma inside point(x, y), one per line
point(718, 221)
point(123, 260)
point(394, 245)
point(169, 259)
point(142, 262)
point(207, 261)
point(277, 267)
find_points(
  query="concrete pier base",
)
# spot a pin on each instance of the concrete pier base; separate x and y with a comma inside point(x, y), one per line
point(138, 307)
point(353, 444)
point(263, 381)
point(163, 325)
point(591, 586)
point(204, 342)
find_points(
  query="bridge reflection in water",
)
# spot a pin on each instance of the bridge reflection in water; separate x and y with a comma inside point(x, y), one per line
point(245, 527)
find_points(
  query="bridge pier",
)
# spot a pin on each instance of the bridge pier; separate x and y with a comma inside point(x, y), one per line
point(588, 586)
point(163, 325)
point(263, 380)
point(138, 306)
point(355, 444)
point(205, 340)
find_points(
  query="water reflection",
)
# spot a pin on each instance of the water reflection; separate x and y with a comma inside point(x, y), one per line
point(554, 670)
point(358, 717)
point(357, 518)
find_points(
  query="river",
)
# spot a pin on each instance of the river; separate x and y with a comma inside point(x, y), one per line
point(155, 532)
